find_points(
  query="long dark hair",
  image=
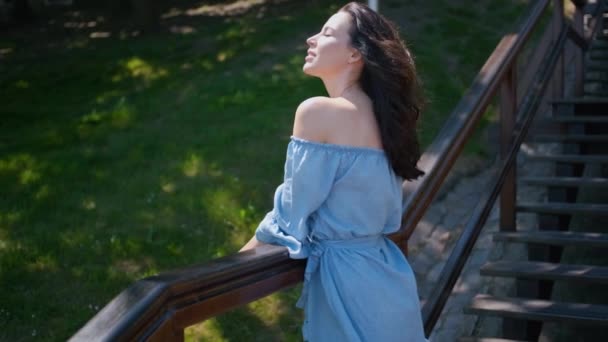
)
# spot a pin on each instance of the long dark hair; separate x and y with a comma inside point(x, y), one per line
point(389, 78)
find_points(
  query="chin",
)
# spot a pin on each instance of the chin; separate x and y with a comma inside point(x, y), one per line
point(309, 70)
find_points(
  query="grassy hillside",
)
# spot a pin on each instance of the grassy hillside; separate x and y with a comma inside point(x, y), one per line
point(123, 154)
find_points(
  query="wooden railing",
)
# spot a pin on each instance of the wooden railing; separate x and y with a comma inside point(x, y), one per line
point(159, 308)
point(515, 120)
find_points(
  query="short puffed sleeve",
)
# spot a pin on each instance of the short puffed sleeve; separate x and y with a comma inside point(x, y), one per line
point(309, 176)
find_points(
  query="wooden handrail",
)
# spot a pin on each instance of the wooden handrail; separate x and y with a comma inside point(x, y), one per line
point(138, 312)
point(440, 156)
point(162, 306)
point(577, 39)
point(455, 263)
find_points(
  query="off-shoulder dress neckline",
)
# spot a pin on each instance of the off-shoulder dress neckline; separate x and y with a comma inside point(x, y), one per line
point(339, 147)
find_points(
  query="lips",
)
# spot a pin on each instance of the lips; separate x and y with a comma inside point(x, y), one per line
point(310, 53)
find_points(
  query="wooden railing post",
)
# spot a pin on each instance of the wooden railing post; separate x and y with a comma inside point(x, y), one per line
point(579, 67)
point(404, 246)
point(558, 76)
point(508, 108)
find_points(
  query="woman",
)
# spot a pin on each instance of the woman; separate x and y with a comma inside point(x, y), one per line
point(342, 192)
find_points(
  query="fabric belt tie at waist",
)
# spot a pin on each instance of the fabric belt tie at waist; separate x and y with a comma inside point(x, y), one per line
point(318, 247)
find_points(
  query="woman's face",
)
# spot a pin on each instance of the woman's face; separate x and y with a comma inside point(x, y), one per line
point(329, 50)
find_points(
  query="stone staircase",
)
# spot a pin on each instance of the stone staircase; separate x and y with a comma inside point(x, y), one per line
point(580, 126)
point(596, 66)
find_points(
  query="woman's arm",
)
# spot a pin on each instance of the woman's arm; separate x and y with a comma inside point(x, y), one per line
point(253, 243)
point(307, 181)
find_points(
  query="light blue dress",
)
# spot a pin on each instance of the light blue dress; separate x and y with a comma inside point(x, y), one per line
point(334, 207)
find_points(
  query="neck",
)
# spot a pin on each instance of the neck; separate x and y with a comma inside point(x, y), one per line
point(338, 85)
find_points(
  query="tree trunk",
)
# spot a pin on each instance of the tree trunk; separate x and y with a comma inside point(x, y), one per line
point(119, 8)
point(21, 11)
point(146, 13)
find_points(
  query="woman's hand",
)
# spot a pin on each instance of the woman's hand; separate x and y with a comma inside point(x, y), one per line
point(253, 243)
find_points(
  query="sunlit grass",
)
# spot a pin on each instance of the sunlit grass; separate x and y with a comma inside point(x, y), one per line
point(137, 68)
point(126, 156)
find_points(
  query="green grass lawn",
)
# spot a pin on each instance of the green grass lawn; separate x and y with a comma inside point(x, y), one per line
point(124, 156)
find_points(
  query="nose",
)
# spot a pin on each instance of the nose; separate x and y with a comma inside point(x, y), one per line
point(311, 40)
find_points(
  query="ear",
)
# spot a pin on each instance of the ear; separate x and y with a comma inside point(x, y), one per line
point(355, 56)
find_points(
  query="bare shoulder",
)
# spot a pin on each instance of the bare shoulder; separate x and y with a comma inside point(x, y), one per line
point(316, 116)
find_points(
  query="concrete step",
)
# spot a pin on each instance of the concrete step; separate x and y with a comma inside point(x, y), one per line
point(599, 45)
point(598, 55)
point(581, 119)
point(582, 101)
point(485, 339)
point(571, 138)
point(572, 182)
point(538, 310)
point(596, 65)
point(596, 93)
point(536, 270)
point(596, 89)
point(571, 158)
point(561, 208)
point(555, 238)
point(596, 78)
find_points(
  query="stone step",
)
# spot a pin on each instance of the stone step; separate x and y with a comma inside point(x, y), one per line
point(555, 238)
point(598, 55)
point(596, 81)
point(571, 158)
point(560, 208)
point(599, 44)
point(571, 182)
point(595, 93)
point(536, 270)
point(600, 77)
point(580, 119)
point(485, 339)
point(596, 65)
point(538, 310)
point(577, 138)
point(602, 72)
point(582, 101)
point(596, 77)
point(595, 87)
point(598, 47)
point(594, 47)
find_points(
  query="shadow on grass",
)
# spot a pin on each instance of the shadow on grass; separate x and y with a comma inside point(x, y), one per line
point(273, 318)
point(123, 158)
